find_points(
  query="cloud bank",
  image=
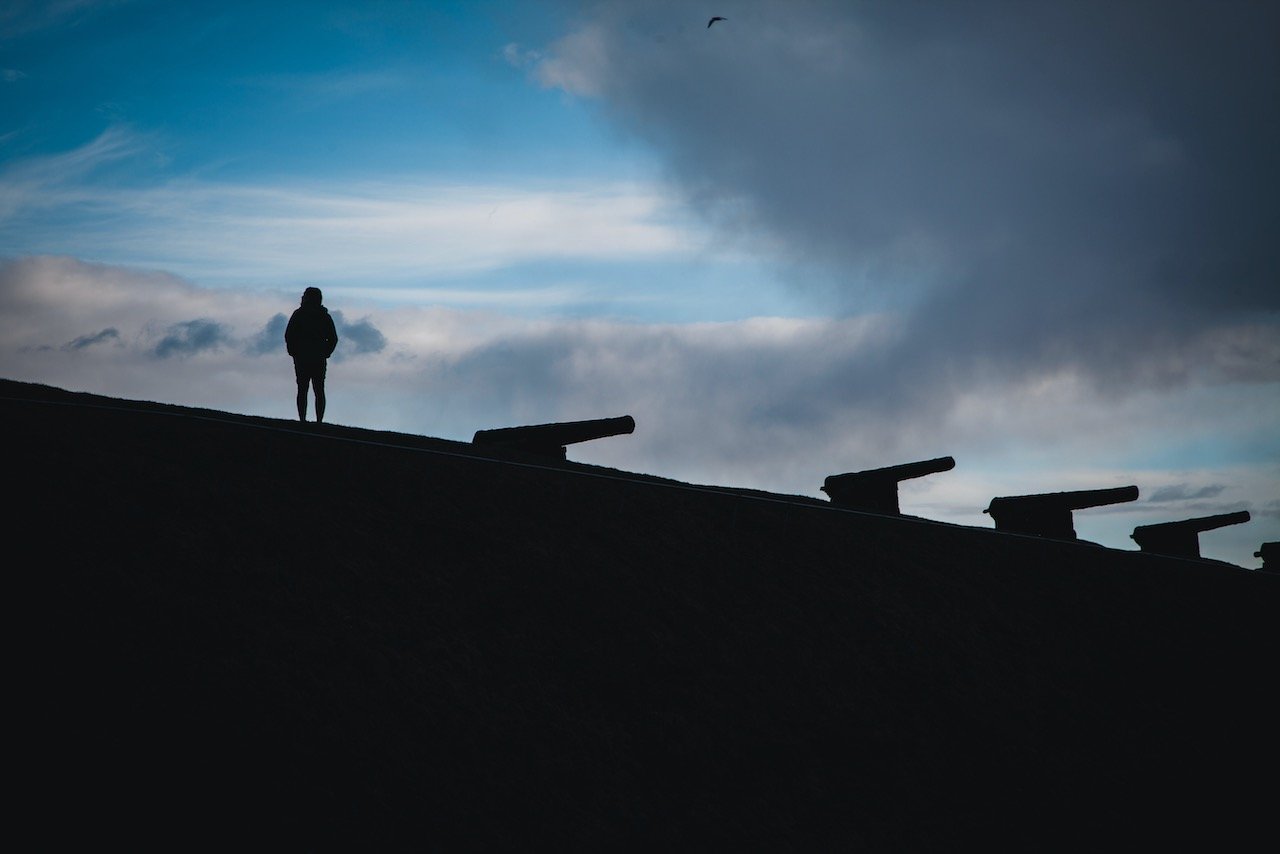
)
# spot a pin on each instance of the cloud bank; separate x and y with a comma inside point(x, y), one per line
point(770, 403)
point(1039, 186)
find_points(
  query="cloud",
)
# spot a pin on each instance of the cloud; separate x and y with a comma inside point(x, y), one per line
point(417, 229)
point(576, 64)
point(36, 182)
point(360, 336)
point(1181, 492)
point(270, 339)
point(191, 337)
point(1039, 187)
point(519, 57)
point(11, 75)
point(108, 334)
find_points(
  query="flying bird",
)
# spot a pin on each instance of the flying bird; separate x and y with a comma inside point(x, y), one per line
point(716, 18)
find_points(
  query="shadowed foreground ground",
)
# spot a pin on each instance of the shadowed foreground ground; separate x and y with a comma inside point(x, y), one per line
point(246, 630)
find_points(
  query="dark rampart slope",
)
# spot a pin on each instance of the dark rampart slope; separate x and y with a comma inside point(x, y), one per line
point(248, 629)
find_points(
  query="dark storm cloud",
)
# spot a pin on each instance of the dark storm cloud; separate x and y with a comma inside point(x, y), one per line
point(108, 334)
point(192, 336)
point(360, 336)
point(1040, 185)
point(270, 339)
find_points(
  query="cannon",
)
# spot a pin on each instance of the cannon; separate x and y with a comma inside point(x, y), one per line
point(1049, 514)
point(1182, 539)
point(1270, 554)
point(550, 439)
point(876, 490)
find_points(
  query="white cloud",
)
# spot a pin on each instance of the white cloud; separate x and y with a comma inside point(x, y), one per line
point(576, 63)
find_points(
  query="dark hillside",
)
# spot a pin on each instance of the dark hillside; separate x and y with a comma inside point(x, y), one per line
point(247, 630)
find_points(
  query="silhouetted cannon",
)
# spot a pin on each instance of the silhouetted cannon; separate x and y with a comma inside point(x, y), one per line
point(876, 490)
point(1270, 554)
point(1049, 515)
point(1182, 539)
point(550, 439)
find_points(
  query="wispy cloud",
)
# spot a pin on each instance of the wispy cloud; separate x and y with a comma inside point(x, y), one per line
point(411, 229)
point(60, 180)
point(83, 341)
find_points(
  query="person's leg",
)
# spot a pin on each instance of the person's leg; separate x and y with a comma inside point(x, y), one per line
point(310, 374)
point(300, 374)
point(302, 400)
point(317, 384)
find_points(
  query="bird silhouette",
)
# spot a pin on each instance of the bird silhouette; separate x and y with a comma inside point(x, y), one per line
point(716, 18)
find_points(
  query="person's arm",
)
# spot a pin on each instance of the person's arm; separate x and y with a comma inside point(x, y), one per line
point(333, 336)
point(289, 335)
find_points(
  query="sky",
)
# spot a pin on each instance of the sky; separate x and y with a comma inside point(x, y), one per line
point(816, 237)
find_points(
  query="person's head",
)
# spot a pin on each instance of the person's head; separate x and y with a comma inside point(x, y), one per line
point(312, 296)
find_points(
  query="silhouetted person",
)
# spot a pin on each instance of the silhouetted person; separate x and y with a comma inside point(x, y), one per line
point(310, 339)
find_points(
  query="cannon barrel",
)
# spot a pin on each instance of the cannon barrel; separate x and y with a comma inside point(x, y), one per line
point(1078, 500)
point(876, 490)
point(1049, 514)
point(1181, 538)
point(551, 438)
point(906, 471)
point(1200, 523)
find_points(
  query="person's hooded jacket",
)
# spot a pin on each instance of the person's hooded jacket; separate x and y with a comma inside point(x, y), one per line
point(311, 333)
